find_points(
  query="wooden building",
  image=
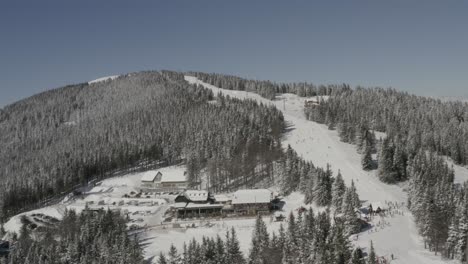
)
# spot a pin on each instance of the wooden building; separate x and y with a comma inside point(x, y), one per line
point(196, 210)
point(194, 196)
point(167, 182)
point(251, 202)
point(151, 179)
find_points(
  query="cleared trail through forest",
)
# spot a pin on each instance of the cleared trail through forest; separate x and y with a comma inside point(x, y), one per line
point(314, 142)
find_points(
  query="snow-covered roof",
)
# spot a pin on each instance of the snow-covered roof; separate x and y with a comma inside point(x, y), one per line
point(207, 205)
point(252, 196)
point(173, 176)
point(149, 176)
point(221, 198)
point(196, 196)
point(179, 205)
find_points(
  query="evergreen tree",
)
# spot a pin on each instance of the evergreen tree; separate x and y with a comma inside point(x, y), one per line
point(351, 221)
point(173, 256)
point(357, 257)
point(233, 253)
point(341, 245)
point(260, 243)
point(162, 259)
point(372, 259)
point(323, 187)
point(366, 157)
point(338, 191)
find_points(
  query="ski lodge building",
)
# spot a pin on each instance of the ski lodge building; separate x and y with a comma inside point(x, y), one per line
point(251, 202)
point(194, 203)
point(167, 182)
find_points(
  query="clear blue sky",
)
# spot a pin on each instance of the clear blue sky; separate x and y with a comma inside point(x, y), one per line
point(417, 46)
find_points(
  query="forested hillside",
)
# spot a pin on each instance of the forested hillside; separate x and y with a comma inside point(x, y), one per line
point(419, 132)
point(59, 139)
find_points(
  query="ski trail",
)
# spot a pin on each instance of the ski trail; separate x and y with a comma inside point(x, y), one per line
point(314, 142)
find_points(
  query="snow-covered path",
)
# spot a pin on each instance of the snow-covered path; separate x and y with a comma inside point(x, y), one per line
point(314, 142)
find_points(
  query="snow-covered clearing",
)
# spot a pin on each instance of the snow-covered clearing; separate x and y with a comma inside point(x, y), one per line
point(113, 193)
point(314, 142)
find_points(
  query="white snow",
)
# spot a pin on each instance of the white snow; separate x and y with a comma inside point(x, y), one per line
point(314, 142)
point(14, 224)
point(103, 79)
point(196, 195)
point(149, 176)
point(252, 196)
point(173, 176)
point(221, 198)
point(461, 172)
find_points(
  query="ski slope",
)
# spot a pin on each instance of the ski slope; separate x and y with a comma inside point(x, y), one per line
point(314, 142)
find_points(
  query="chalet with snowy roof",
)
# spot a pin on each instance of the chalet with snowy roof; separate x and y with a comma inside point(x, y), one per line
point(194, 196)
point(164, 182)
point(252, 201)
point(151, 179)
point(173, 182)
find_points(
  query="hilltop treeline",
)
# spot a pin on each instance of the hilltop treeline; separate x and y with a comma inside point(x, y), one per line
point(419, 131)
point(62, 138)
point(268, 89)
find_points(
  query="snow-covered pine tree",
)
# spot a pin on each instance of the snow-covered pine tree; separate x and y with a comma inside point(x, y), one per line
point(461, 246)
point(366, 157)
point(386, 162)
point(354, 195)
point(340, 244)
point(260, 242)
point(233, 253)
point(372, 259)
point(357, 257)
point(162, 259)
point(220, 251)
point(323, 187)
point(350, 219)
point(338, 191)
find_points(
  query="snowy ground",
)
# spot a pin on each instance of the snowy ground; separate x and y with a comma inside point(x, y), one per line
point(120, 193)
point(314, 142)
